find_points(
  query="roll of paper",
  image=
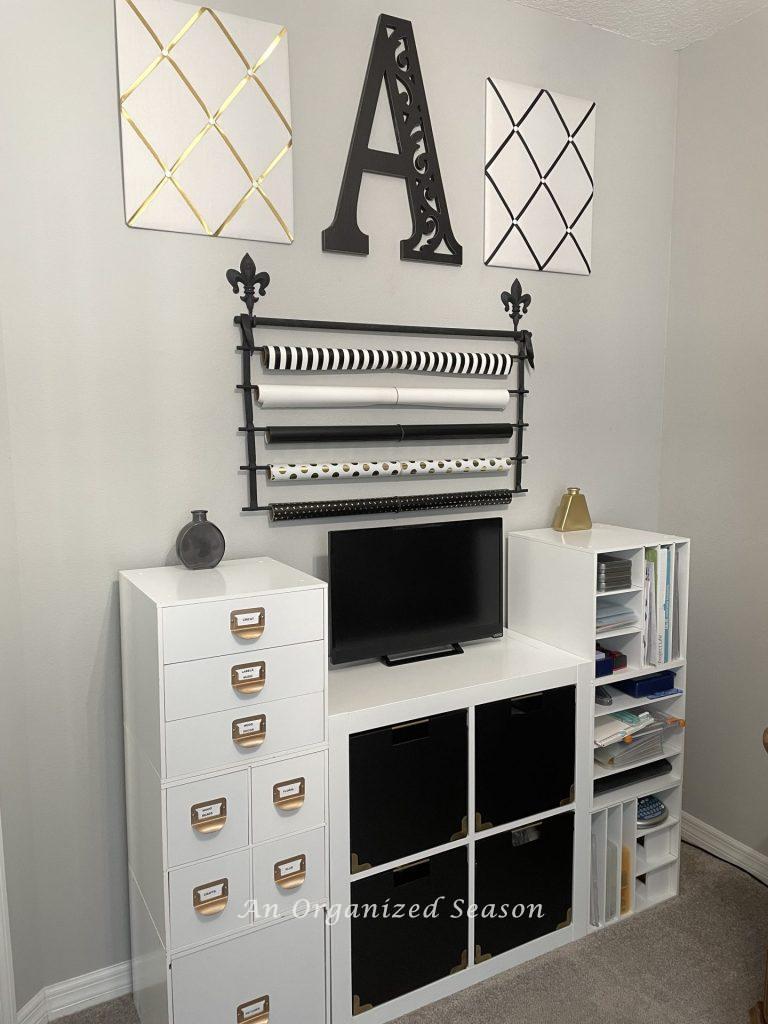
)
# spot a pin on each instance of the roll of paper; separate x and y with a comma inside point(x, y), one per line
point(282, 512)
point(296, 472)
point(363, 434)
point(304, 359)
point(454, 398)
point(309, 396)
point(456, 431)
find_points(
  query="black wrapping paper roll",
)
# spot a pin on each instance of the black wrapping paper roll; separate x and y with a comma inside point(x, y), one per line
point(388, 432)
point(312, 435)
point(287, 511)
point(455, 431)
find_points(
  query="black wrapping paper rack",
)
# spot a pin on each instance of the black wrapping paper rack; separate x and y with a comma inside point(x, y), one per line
point(251, 282)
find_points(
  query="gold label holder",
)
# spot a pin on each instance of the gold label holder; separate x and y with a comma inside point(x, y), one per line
point(211, 898)
point(206, 819)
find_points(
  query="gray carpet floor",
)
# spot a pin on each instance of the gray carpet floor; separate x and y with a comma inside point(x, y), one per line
point(695, 960)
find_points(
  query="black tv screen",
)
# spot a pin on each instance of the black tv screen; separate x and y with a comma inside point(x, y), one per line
point(402, 589)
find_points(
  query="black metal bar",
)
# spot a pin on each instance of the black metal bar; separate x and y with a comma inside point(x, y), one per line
point(246, 348)
point(521, 393)
point(342, 325)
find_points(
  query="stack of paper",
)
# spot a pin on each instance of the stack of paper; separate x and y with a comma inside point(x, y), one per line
point(613, 615)
point(659, 627)
point(618, 726)
point(644, 746)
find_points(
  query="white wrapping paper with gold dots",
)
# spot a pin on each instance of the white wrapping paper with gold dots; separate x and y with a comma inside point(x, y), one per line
point(390, 467)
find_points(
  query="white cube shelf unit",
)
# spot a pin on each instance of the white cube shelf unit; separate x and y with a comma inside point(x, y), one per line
point(553, 596)
point(435, 795)
point(225, 711)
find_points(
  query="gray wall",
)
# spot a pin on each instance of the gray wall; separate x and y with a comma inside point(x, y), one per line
point(120, 365)
point(713, 483)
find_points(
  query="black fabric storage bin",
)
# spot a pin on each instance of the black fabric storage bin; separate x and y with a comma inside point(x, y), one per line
point(407, 788)
point(525, 754)
point(521, 869)
point(397, 954)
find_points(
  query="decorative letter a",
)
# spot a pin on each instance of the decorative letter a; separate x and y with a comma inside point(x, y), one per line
point(394, 58)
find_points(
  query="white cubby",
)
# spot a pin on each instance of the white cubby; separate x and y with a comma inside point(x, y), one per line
point(553, 596)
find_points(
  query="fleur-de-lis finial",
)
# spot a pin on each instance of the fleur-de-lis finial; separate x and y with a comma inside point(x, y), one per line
point(249, 279)
point(519, 303)
point(517, 300)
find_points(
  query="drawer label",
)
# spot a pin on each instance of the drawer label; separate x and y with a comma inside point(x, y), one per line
point(288, 789)
point(256, 1009)
point(253, 725)
point(210, 892)
point(289, 867)
point(249, 618)
point(247, 672)
point(206, 811)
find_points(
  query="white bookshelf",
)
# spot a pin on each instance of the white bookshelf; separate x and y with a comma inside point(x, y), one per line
point(553, 596)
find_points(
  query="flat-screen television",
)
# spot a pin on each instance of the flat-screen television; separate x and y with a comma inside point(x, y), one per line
point(406, 590)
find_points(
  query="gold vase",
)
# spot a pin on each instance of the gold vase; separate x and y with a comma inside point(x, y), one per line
point(572, 512)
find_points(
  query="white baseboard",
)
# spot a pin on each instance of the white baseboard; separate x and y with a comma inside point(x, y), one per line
point(699, 833)
point(77, 994)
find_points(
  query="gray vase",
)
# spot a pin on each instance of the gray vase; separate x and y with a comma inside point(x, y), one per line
point(200, 544)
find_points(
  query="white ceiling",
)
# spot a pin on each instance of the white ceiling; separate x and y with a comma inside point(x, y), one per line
point(674, 23)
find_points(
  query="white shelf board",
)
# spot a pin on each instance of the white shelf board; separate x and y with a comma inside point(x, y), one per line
point(616, 593)
point(633, 672)
point(364, 686)
point(642, 867)
point(599, 772)
point(623, 702)
point(619, 631)
point(636, 789)
point(669, 822)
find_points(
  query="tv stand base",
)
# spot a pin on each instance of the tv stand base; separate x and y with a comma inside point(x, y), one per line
point(391, 660)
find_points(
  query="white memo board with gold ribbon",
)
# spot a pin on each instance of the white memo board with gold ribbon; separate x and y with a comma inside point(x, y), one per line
point(205, 115)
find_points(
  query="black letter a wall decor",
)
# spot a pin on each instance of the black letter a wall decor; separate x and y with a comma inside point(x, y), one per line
point(395, 60)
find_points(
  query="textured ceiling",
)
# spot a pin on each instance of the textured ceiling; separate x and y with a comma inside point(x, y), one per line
point(674, 23)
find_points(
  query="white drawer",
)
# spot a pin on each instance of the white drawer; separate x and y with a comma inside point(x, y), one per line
point(205, 630)
point(195, 745)
point(287, 796)
point(205, 819)
point(210, 899)
point(242, 680)
point(228, 983)
point(288, 870)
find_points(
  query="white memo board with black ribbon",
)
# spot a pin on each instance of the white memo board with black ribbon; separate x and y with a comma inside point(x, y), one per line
point(539, 179)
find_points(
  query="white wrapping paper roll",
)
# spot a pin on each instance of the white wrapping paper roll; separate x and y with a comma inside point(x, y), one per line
point(308, 396)
point(454, 398)
point(297, 472)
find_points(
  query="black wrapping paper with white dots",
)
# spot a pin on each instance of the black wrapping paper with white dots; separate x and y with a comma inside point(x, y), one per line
point(285, 511)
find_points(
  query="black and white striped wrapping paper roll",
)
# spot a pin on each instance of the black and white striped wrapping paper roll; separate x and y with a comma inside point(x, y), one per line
point(283, 512)
point(306, 359)
point(388, 432)
point(297, 472)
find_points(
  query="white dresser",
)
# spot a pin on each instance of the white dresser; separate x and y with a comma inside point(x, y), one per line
point(225, 708)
